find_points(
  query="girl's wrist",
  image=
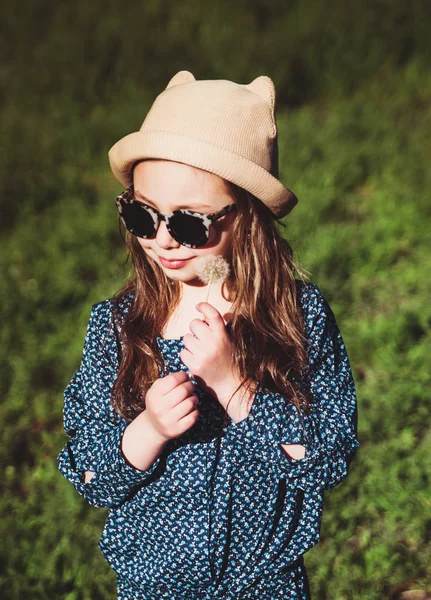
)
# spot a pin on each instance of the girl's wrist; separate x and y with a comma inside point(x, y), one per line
point(141, 444)
point(149, 431)
point(230, 390)
point(239, 410)
point(236, 402)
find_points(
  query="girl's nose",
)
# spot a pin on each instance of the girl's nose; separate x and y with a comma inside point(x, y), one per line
point(164, 238)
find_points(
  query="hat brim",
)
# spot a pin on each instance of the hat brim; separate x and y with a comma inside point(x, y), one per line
point(246, 174)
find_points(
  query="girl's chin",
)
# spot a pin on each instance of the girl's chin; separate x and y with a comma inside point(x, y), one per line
point(186, 278)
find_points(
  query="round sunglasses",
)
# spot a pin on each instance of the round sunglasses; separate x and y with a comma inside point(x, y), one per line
point(187, 227)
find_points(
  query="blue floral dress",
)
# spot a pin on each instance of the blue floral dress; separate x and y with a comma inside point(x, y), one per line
point(223, 512)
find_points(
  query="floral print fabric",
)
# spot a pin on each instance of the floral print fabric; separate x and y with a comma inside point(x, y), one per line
point(223, 512)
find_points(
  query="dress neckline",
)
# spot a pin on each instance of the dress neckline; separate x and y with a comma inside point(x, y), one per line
point(162, 339)
point(180, 339)
point(231, 425)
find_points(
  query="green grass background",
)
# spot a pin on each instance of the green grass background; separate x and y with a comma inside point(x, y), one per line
point(354, 90)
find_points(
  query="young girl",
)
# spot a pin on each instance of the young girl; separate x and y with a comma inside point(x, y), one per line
point(210, 429)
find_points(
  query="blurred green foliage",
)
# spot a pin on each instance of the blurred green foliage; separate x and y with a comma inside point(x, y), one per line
point(354, 119)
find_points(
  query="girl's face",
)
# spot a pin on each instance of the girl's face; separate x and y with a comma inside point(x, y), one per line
point(167, 186)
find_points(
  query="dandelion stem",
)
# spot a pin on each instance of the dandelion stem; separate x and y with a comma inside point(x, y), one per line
point(208, 291)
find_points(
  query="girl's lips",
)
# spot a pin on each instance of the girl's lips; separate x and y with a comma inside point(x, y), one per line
point(173, 264)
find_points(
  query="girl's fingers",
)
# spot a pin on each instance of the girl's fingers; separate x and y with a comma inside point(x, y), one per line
point(186, 406)
point(189, 420)
point(181, 393)
point(191, 343)
point(166, 384)
point(212, 317)
point(199, 328)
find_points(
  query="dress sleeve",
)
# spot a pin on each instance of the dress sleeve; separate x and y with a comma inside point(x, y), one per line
point(94, 428)
point(329, 431)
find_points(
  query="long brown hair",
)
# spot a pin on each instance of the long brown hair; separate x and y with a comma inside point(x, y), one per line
point(266, 329)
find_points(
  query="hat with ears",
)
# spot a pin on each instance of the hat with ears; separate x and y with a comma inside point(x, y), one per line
point(220, 126)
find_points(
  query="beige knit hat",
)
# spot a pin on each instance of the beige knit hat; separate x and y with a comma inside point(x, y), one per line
point(220, 126)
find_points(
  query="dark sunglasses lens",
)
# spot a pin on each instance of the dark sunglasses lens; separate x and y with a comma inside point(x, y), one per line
point(138, 220)
point(188, 230)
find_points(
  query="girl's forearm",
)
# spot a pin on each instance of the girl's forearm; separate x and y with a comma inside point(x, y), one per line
point(141, 444)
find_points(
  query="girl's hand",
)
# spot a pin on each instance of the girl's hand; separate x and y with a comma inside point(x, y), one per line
point(208, 354)
point(171, 405)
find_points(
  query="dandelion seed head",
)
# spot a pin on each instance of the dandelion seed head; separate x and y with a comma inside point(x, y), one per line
point(213, 268)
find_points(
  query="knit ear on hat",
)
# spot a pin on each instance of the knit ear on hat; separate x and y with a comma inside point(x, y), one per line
point(181, 77)
point(264, 87)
